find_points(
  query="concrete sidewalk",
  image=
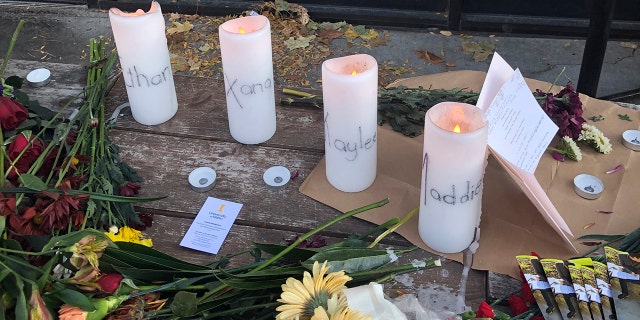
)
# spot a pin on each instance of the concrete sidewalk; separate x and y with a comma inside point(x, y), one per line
point(60, 33)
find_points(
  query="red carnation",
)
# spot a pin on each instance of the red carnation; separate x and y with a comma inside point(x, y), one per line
point(518, 305)
point(129, 189)
point(12, 113)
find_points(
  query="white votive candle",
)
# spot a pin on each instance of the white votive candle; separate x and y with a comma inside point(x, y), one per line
point(454, 159)
point(245, 46)
point(350, 93)
point(146, 68)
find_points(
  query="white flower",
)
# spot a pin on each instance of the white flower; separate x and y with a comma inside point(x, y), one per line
point(595, 138)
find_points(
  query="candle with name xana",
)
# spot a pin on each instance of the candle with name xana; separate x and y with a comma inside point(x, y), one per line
point(454, 160)
point(350, 99)
point(146, 67)
point(245, 46)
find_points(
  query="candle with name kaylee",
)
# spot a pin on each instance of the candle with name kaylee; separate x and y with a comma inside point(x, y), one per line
point(245, 46)
point(350, 99)
point(146, 67)
point(454, 159)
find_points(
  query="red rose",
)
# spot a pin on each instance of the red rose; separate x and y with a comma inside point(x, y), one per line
point(12, 113)
point(485, 311)
point(110, 282)
point(517, 305)
point(31, 153)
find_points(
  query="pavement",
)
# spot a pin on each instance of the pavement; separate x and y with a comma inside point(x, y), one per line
point(61, 32)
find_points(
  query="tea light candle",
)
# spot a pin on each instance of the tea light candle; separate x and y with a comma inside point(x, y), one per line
point(146, 67)
point(454, 159)
point(245, 45)
point(350, 98)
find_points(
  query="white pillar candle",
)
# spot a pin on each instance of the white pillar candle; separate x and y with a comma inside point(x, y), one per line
point(146, 67)
point(454, 160)
point(350, 98)
point(245, 46)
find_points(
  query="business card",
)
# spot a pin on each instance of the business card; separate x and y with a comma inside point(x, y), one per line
point(211, 226)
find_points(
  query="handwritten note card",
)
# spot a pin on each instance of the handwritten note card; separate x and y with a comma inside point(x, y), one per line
point(211, 225)
point(519, 130)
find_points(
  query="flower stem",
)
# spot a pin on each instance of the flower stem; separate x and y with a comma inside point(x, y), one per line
point(396, 226)
point(297, 242)
point(14, 38)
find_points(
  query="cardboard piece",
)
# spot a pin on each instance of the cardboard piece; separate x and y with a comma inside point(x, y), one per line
point(510, 224)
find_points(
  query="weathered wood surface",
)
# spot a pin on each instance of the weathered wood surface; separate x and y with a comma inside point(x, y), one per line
point(198, 136)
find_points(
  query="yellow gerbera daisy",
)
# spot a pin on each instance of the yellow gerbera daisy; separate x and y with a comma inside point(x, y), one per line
point(300, 299)
point(343, 314)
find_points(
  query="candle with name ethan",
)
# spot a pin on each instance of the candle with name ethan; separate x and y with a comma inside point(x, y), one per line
point(454, 160)
point(350, 99)
point(146, 68)
point(245, 46)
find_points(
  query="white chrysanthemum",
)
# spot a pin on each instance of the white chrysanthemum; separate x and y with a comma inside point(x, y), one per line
point(571, 147)
point(595, 138)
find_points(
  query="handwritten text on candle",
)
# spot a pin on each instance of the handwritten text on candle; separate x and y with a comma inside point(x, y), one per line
point(135, 79)
point(237, 90)
point(471, 192)
point(349, 146)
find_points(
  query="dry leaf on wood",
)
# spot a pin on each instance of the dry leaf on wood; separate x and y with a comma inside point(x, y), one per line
point(629, 45)
point(429, 57)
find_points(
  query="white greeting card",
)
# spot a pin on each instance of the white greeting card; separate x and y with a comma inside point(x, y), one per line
point(520, 135)
point(211, 225)
point(519, 130)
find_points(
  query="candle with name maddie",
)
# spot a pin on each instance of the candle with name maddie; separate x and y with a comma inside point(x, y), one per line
point(146, 67)
point(350, 98)
point(245, 45)
point(454, 160)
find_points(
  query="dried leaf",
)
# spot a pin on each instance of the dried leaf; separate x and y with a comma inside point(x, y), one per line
point(300, 42)
point(350, 34)
point(480, 50)
point(446, 33)
point(629, 45)
point(178, 27)
point(588, 225)
point(205, 47)
point(371, 34)
point(429, 57)
point(326, 35)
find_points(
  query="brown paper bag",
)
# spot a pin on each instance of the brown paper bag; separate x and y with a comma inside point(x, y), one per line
point(510, 224)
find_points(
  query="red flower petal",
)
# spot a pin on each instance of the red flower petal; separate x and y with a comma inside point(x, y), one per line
point(485, 311)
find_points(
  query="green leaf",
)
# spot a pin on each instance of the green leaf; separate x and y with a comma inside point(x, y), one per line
point(73, 237)
point(20, 309)
point(184, 304)
point(3, 222)
point(151, 254)
point(603, 237)
point(74, 298)
point(350, 259)
point(296, 254)
point(32, 182)
point(14, 81)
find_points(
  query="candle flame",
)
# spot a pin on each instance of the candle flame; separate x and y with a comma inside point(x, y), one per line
point(353, 73)
point(456, 129)
point(242, 31)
